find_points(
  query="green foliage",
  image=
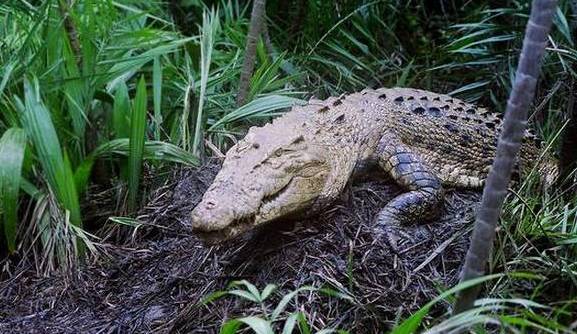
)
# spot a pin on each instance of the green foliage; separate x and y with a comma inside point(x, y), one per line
point(210, 26)
point(54, 161)
point(12, 147)
point(483, 313)
point(136, 144)
point(266, 321)
point(157, 97)
point(86, 115)
point(77, 108)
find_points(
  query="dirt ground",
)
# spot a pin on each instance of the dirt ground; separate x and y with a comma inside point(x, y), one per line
point(155, 283)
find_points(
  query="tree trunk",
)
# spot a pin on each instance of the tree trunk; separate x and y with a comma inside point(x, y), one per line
point(256, 19)
point(71, 31)
point(536, 33)
point(568, 153)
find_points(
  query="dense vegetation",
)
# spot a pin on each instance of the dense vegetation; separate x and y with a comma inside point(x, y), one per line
point(99, 95)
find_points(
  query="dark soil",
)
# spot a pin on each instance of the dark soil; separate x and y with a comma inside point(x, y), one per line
point(155, 284)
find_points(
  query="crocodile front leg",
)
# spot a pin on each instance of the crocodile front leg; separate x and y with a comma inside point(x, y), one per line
point(422, 200)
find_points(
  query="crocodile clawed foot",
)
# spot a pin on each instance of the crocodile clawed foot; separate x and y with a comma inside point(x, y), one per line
point(398, 236)
point(393, 236)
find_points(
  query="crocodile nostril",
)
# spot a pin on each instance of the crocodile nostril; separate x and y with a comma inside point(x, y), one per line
point(210, 204)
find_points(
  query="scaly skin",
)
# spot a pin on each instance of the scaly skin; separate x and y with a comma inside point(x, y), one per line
point(303, 160)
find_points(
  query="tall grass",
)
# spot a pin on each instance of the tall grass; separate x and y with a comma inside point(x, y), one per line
point(136, 143)
point(53, 160)
point(12, 148)
point(142, 93)
point(210, 26)
point(80, 119)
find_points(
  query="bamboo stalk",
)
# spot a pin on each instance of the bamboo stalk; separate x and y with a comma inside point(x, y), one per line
point(536, 33)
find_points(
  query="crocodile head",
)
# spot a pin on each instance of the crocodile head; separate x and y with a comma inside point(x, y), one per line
point(264, 177)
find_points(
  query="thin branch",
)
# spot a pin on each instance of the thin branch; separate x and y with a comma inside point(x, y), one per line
point(256, 21)
point(542, 12)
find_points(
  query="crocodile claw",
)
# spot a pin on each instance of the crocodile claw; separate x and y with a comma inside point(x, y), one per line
point(393, 237)
point(397, 236)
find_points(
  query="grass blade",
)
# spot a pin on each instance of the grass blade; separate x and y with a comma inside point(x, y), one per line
point(259, 107)
point(258, 325)
point(137, 128)
point(210, 26)
point(12, 147)
point(40, 129)
point(121, 112)
point(286, 299)
point(56, 166)
point(411, 324)
point(153, 150)
point(157, 96)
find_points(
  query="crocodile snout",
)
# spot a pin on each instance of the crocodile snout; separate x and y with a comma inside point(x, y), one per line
point(208, 217)
point(215, 224)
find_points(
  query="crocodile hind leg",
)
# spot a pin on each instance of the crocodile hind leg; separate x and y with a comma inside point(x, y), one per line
point(422, 200)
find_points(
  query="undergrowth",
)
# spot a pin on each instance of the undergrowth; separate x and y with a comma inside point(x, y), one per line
point(139, 87)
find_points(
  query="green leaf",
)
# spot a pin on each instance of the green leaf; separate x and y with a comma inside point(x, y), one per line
point(82, 175)
point(67, 181)
point(12, 148)
point(30, 189)
point(337, 294)
point(213, 296)
point(250, 287)
point(258, 325)
point(126, 65)
point(230, 327)
point(290, 323)
point(157, 96)
point(411, 324)
point(562, 25)
point(266, 78)
point(121, 112)
point(259, 107)
point(153, 150)
point(210, 26)
point(267, 291)
point(402, 81)
point(286, 299)
point(303, 323)
point(469, 87)
point(137, 137)
point(73, 90)
point(6, 74)
point(246, 295)
point(56, 167)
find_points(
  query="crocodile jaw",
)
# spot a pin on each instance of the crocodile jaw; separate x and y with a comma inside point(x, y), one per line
point(265, 176)
point(222, 215)
point(231, 230)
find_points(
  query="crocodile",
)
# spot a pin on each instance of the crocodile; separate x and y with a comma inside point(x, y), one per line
point(300, 163)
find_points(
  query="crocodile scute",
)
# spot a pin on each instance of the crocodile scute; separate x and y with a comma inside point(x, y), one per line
point(299, 163)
